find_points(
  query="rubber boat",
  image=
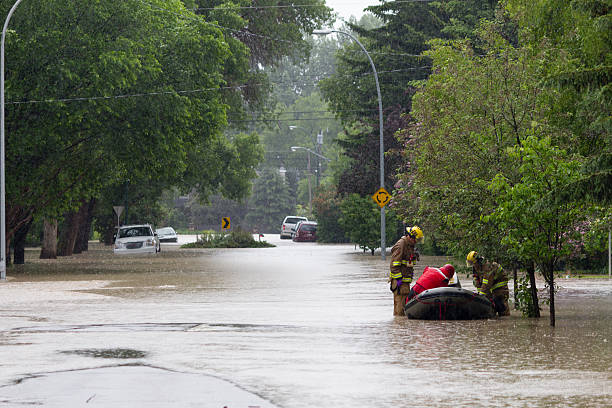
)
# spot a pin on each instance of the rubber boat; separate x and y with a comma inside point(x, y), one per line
point(449, 303)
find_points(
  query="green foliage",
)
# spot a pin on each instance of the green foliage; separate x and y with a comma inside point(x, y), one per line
point(235, 239)
point(471, 109)
point(396, 48)
point(293, 81)
point(537, 226)
point(582, 31)
point(270, 202)
point(361, 221)
point(326, 207)
point(140, 91)
point(523, 295)
point(162, 133)
point(596, 235)
point(270, 34)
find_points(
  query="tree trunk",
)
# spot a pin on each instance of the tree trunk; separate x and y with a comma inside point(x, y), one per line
point(67, 235)
point(70, 231)
point(551, 289)
point(82, 241)
point(109, 237)
point(515, 279)
point(534, 289)
point(19, 240)
point(49, 244)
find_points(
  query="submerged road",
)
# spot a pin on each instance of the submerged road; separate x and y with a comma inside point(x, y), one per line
point(299, 325)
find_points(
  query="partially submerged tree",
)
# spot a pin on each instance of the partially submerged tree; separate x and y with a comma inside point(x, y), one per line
point(537, 225)
point(468, 112)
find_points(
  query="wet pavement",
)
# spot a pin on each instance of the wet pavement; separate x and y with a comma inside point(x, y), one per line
point(299, 325)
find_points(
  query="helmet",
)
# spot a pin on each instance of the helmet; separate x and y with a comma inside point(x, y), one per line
point(415, 232)
point(448, 270)
point(471, 258)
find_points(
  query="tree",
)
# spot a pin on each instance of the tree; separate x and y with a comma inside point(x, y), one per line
point(361, 221)
point(580, 29)
point(270, 202)
point(538, 226)
point(326, 207)
point(470, 110)
point(104, 92)
point(271, 34)
point(396, 48)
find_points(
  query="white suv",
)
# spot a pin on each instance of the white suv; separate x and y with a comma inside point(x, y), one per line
point(135, 239)
point(288, 224)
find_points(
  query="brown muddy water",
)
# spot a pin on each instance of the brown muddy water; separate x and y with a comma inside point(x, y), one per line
point(299, 325)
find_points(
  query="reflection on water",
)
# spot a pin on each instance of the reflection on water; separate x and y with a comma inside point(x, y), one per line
point(302, 325)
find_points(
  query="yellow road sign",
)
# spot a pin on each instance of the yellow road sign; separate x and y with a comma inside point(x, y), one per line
point(225, 223)
point(381, 197)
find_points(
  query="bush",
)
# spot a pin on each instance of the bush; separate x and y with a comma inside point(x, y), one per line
point(361, 220)
point(326, 207)
point(235, 239)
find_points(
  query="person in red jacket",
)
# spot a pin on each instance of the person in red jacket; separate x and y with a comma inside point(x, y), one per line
point(432, 278)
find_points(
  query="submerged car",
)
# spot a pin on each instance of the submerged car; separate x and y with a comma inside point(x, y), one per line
point(306, 231)
point(166, 234)
point(288, 224)
point(136, 239)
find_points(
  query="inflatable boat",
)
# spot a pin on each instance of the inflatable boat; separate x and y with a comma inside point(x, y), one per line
point(449, 303)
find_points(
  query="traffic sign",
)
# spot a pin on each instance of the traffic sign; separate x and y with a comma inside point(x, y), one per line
point(118, 210)
point(225, 223)
point(381, 197)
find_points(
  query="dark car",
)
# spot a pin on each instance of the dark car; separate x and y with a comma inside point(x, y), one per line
point(306, 232)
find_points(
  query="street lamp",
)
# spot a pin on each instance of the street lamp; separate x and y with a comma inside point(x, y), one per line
point(2, 188)
point(293, 149)
point(380, 125)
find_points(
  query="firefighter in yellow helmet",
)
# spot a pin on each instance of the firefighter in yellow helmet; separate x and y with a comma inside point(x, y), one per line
point(490, 280)
point(403, 258)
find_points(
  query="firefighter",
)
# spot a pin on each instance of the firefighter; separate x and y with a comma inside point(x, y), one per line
point(490, 280)
point(403, 258)
point(432, 278)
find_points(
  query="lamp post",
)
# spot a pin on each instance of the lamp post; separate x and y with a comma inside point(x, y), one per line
point(380, 125)
point(2, 155)
point(293, 149)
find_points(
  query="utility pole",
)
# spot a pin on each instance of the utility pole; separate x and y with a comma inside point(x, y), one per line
point(319, 147)
point(2, 152)
point(380, 131)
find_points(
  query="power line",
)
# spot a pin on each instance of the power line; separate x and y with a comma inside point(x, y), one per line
point(134, 95)
point(282, 120)
point(192, 91)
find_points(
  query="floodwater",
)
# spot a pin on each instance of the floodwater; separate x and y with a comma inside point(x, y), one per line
point(299, 325)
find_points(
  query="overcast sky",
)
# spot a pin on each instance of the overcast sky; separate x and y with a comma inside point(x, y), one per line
point(346, 8)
